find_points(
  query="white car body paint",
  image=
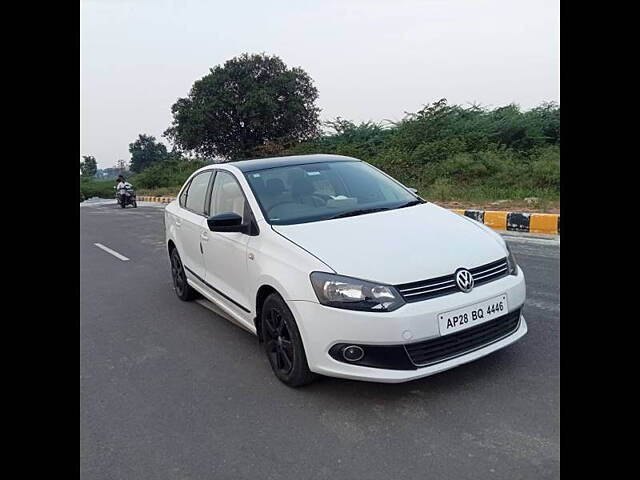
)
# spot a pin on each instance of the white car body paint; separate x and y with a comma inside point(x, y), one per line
point(390, 247)
point(415, 234)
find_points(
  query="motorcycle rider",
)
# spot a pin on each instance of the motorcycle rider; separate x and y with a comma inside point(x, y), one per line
point(122, 184)
point(120, 181)
point(119, 184)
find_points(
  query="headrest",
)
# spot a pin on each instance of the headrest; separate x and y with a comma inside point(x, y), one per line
point(231, 188)
point(274, 186)
point(302, 186)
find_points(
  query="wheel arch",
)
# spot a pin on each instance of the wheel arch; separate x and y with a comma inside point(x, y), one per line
point(171, 246)
point(263, 292)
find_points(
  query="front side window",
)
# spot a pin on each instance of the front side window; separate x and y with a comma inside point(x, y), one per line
point(322, 191)
point(227, 196)
point(196, 193)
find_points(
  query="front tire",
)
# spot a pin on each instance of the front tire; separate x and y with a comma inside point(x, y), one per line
point(283, 344)
point(180, 285)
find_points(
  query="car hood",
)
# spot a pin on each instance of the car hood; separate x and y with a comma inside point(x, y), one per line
point(398, 246)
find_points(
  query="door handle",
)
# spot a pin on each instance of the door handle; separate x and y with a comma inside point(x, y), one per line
point(178, 223)
point(203, 236)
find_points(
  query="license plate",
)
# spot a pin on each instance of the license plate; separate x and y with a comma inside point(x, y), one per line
point(467, 317)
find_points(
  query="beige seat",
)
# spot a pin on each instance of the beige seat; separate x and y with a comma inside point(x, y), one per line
point(230, 198)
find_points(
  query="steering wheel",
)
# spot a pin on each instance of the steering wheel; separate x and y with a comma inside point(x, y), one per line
point(324, 196)
point(319, 197)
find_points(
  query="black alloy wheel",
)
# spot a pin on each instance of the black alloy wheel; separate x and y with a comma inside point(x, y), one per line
point(283, 344)
point(179, 277)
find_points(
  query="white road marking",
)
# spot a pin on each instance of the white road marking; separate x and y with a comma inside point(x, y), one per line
point(112, 252)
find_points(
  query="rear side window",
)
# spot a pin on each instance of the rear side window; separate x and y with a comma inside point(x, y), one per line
point(196, 193)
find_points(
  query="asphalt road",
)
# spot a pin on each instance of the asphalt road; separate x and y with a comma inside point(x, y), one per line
point(169, 390)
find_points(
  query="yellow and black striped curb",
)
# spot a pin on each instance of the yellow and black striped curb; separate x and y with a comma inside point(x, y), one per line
point(511, 221)
point(146, 198)
point(516, 221)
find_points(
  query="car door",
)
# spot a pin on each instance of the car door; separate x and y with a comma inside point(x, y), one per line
point(192, 222)
point(225, 253)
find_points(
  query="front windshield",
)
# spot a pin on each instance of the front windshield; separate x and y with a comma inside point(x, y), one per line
point(321, 191)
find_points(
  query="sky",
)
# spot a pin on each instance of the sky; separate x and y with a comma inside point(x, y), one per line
point(371, 60)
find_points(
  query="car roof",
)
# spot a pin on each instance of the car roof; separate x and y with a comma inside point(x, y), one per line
point(273, 162)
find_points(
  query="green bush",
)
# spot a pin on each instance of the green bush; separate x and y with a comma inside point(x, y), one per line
point(545, 168)
point(457, 153)
point(166, 174)
point(160, 179)
point(90, 187)
point(447, 152)
point(437, 150)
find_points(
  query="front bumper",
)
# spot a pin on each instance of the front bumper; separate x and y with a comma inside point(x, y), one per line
point(323, 327)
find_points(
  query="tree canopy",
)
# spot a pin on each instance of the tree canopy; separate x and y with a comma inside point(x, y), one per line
point(145, 151)
point(252, 106)
point(88, 166)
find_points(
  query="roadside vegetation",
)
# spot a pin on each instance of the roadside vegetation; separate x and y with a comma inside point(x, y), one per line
point(496, 158)
point(465, 154)
point(90, 187)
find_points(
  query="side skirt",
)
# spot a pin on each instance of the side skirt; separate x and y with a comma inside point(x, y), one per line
point(219, 307)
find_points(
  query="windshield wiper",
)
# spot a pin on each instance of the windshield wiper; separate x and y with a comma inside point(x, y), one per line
point(410, 203)
point(362, 211)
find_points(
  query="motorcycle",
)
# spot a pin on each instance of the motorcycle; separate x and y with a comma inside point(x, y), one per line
point(126, 195)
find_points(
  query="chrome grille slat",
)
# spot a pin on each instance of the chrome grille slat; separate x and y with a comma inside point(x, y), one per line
point(503, 269)
point(450, 282)
point(444, 285)
point(489, 269)
point(429, 290)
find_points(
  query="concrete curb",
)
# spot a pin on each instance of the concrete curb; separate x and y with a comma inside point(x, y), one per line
point(548, 223)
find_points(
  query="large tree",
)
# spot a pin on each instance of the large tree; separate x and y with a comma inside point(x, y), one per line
point(121, 165)
point(88, 166)
point(145, 151)
point(253, 105)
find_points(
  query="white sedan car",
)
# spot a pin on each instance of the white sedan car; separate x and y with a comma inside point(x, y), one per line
point(340, 270)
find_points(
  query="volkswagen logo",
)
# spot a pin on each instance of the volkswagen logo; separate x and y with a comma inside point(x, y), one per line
point(464, 279)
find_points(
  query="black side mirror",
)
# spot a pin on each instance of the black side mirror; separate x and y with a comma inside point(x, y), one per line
point(226, 222)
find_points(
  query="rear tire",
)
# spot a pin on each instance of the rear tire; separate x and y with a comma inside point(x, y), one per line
point(283, 344)
point(180, 285)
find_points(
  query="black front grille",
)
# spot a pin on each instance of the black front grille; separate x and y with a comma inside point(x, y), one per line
point(437, 287)
point(440, 349)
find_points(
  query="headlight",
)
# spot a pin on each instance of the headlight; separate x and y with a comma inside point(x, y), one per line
point(511, 262)
point(353, 294)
